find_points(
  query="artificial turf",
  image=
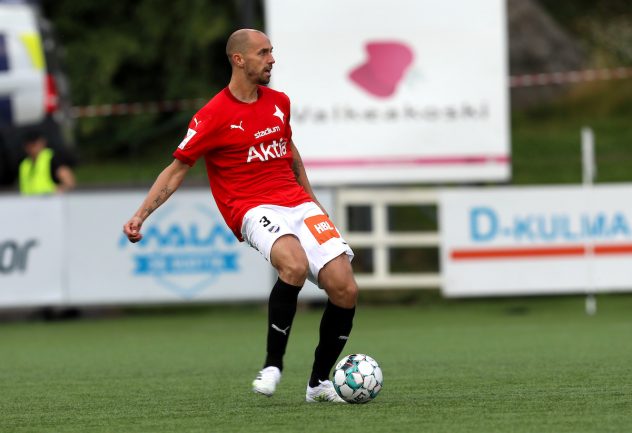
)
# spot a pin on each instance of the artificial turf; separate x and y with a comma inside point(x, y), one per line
point(512, 365)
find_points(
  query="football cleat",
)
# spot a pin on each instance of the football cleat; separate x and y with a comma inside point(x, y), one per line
point(323, 393)
point(266, 381)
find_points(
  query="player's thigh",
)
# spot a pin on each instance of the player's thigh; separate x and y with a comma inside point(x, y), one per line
point(320, 239)
point(265, 228)
point(262, 227)
point(289, 259)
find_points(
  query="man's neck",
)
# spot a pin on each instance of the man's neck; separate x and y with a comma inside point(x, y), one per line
point(34, 155)
point(244, 92)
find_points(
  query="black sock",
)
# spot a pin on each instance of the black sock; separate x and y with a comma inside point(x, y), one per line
point(281, 311)
point(335, 327)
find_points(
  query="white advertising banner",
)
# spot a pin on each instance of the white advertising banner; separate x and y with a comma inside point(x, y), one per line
point(188, 254)
point(394, 92)
point(523, 241)
point(31, 251)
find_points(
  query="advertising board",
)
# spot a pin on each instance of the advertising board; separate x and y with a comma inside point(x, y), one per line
point(188, 254)
point(398, 92)
point(31, 251)
point(69, 250)
point(523, 241)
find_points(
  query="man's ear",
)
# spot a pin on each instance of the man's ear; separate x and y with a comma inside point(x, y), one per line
point(238, 60)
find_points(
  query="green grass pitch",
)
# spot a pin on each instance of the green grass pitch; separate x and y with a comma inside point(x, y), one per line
point(513, 365)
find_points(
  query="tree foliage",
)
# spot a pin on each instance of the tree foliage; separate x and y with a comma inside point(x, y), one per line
point(134, 51)
point(604, 27)
point(120, 50)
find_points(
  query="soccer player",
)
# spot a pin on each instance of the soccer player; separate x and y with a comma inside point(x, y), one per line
point(260, 186)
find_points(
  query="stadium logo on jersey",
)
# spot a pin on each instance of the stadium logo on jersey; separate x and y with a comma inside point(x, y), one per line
point(190, 134)
point(385, 67)
point(266, 151)
point(267, 131)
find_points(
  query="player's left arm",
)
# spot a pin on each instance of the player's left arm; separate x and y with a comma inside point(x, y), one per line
point(301, 176)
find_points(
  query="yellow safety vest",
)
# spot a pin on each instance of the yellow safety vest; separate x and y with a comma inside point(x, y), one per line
point(35, 176)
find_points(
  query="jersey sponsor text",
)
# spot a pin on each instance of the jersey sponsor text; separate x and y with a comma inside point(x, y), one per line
point(321, 228)
point(266, 151)
point(267, 131)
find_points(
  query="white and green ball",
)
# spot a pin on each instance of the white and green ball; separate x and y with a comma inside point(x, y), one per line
point(358, 378)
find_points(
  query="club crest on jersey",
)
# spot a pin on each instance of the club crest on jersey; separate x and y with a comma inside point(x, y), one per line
point(266, 151)
point(280, 114)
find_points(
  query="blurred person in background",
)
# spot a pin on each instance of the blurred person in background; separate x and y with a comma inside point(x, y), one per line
point(257, 178)
point(43, 171)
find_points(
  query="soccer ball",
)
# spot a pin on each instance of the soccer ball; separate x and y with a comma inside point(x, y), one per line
point(358, 378)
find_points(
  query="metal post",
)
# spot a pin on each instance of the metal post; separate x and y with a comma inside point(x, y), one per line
point(588, 156)
point(589, 171)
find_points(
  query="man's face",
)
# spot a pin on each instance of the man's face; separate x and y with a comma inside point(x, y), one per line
point(34, 147)
point(258, 59)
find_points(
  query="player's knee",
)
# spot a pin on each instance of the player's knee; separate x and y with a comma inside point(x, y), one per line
point(294, 271)
point(351, 295)
point(344, 295)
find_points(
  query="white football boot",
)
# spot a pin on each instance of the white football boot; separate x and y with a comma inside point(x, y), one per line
point(323, 393)
point(266, 381)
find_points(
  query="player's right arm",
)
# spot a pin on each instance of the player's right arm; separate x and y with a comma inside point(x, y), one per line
point(165, 184)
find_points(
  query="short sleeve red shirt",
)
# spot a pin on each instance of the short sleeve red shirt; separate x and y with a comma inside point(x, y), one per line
point(247, 152)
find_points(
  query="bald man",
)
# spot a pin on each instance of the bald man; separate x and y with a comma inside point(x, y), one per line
point(258, 181)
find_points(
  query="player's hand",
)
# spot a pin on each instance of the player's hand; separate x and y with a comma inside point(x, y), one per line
point(132, 229)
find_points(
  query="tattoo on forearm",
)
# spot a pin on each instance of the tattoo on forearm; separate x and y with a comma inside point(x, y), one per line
point(163, 195)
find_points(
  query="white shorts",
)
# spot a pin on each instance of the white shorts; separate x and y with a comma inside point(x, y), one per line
point(318, 236)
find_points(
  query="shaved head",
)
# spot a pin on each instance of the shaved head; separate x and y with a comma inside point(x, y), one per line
point(250, 55)
point(239, 41)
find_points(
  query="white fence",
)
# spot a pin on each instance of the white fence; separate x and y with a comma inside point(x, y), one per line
point(381, 238)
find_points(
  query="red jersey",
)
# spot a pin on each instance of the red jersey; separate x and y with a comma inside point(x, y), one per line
point(247, 152)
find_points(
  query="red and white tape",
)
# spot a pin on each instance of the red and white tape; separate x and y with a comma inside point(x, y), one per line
point(552, 78)
point(515, 81)
point(123, 109)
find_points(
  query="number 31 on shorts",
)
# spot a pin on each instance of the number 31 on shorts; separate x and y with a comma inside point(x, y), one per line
point(322, 228)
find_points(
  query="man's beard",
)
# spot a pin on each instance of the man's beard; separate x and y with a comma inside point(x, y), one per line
point(263, 80)
point(259, 78)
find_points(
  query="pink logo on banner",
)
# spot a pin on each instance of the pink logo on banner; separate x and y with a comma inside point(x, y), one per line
point(384, 68)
